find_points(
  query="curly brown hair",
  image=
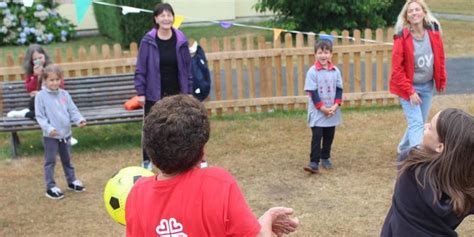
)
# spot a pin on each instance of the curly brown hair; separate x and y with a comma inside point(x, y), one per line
point(175, 133)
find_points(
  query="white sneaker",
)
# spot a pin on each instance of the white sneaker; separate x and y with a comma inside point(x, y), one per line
point(74, 141)
point(17, 113)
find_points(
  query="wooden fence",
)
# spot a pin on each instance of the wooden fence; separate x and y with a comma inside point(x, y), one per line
point(250, 74)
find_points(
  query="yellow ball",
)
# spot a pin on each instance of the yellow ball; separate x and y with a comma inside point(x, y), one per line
point(117, 189)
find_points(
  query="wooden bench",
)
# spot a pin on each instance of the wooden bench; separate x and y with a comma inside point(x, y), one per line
point(100, 100)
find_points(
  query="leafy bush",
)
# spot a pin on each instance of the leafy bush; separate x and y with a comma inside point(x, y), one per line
point(317, 15)
point(124, 29)
point(39, 24)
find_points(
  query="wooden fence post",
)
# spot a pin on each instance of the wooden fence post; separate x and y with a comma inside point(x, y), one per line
point(346, 62)
point(228, 73)
point(357, 69)
point(368, 62)
point(251, 71)
point(216, 66)
point(240, 76)
point(290, 85)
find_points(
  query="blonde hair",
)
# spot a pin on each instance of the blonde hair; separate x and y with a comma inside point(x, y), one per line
point(402, 20)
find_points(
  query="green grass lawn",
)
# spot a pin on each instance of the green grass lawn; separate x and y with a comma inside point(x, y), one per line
point(462, 7)
point(127, 136)
point(266, 154)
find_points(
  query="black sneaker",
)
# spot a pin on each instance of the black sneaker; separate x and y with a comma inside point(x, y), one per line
point(313, 167)
point(76, 186)
point(327, 164)
point(54, 193)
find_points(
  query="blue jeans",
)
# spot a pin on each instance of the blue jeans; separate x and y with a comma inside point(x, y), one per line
point(416, 115)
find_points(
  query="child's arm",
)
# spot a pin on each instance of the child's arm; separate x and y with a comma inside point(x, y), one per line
point(338, 96)
point(41, 118)
point(74, 113)
point(339, 89)
point(315, 98)
point(311, 86)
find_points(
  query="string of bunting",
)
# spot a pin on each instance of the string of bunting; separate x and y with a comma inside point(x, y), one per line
point(83, 5)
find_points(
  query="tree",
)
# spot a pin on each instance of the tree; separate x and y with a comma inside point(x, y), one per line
point(124, 29)
point(317, 15)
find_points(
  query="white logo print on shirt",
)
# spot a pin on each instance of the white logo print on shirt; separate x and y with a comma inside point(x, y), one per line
point(424, 60)
point(170, 228)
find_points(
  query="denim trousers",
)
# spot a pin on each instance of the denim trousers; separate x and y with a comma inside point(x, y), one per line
point(416, 115)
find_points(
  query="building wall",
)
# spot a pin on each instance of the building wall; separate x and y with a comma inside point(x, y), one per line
point(193, 10)
point(68, 10)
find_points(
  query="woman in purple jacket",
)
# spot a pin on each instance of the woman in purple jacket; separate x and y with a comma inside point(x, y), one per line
point(163, 63)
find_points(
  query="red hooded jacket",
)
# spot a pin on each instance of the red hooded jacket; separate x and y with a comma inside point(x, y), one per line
point(403, 62)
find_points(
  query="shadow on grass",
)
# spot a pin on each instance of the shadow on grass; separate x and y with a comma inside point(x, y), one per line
point(127, 136)
point(91, 138)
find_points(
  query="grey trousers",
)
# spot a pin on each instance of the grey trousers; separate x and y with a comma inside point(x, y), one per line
point(51, 148)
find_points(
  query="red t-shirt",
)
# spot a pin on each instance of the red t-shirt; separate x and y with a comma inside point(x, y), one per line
point(200, 202)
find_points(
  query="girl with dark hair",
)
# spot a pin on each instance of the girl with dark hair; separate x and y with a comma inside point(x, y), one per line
point(163, 63)
point(434, 191)
point(35, 60)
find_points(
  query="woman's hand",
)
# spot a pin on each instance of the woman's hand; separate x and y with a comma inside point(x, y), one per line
point(415, 99)
point(441, 91)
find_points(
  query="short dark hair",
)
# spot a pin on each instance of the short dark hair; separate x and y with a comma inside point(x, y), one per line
point(175, 133)
point(323, 45)
point(160, 8)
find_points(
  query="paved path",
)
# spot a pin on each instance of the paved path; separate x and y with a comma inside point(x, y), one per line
point(454, 16)
point(460, 75)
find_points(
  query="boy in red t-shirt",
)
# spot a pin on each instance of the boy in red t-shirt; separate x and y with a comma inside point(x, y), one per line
point(184, 199)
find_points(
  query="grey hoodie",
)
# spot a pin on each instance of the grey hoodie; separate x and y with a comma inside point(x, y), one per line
point(56, 110)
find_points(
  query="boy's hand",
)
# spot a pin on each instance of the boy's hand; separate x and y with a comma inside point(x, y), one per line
point(282, 223)
point(53, 133)
point(333, 109)
point(326, 111)
point(33, 93)
point(82, 123)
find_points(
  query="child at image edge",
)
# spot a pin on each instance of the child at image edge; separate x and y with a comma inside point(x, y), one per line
point(434, 190)
point(324, 86)
point(54, 111)
point(184, 199)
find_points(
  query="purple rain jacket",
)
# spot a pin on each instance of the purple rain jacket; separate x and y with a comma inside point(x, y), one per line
point(147, 72)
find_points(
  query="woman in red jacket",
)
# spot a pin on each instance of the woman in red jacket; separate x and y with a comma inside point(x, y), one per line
point(418, 65)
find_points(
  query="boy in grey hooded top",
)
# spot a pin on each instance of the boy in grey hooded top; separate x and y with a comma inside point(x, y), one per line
point(55, 111)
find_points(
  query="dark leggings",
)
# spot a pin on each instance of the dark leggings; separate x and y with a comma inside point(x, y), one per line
point(148, 105)
point(327, 135)
point(31, 107)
